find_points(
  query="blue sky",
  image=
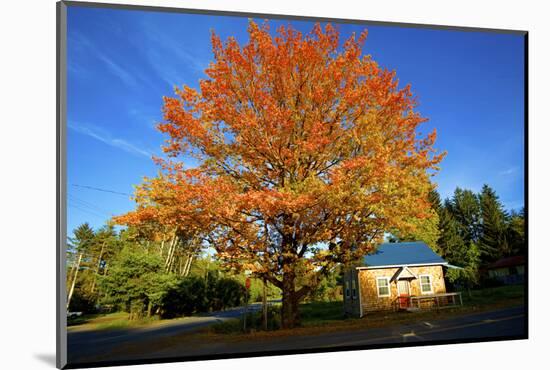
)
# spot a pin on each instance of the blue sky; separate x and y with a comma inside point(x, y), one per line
point(121, 63)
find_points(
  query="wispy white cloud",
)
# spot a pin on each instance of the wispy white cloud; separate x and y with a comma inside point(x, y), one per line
point(84, 45)
point(196, 63)
point(150, 120)
point(106, 138)
point(508, 171)
point(172, 58)
point(117, 70)
point(164, 69)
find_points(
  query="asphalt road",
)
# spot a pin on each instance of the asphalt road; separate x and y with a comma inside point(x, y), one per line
point(501, 323)
point(84, 344)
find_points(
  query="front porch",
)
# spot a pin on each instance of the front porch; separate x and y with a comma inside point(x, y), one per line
point(428, 301)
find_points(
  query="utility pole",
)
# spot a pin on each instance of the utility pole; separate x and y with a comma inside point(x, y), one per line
point(247, 289)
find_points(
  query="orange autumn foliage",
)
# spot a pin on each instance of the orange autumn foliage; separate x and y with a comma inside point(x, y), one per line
point(309, 152)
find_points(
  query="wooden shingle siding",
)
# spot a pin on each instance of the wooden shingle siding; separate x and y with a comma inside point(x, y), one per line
point(369, 292)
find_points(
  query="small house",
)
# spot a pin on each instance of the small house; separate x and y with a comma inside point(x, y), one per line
point(509, 270)
point(396, 276)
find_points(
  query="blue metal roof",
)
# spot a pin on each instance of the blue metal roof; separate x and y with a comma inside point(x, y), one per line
point(409, 253)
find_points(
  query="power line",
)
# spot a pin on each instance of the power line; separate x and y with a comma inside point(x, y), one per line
point(88, 211)
point(103, 190)
point(87, 204)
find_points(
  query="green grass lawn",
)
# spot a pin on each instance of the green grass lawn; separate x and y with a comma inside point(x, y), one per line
point(489, 296)
point(81, 320)
point(320, 318)
point(111, 321)
point(327, 316)
point(321, 314)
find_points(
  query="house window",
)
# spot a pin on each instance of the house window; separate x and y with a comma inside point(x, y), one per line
point(426, 284)
point(383, 285)
point(347, 289)
point(353, 290)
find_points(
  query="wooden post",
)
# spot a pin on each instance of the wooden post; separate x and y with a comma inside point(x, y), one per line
point(460, 296)
point(245, 310)
point(247, 289)
point(264, 304)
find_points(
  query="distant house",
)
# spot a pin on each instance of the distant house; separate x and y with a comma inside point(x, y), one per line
point(396, 276)
point(509, 270)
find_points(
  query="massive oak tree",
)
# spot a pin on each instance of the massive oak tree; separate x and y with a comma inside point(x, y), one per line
point(308, 150)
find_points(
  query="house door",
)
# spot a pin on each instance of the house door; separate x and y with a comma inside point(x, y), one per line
point(403, 292)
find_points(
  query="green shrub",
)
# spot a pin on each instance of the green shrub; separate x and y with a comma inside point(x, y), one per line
point(83, 301)
point(229, 293)
point(195, 294)
point(136, 283)
point(185, 298)
point(227, 327)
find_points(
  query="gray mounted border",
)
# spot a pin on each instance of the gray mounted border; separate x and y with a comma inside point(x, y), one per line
point(61, 185)
point(167, 9)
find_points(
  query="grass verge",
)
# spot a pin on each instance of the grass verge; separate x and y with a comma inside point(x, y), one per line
point(323, 317)
point(111, 321)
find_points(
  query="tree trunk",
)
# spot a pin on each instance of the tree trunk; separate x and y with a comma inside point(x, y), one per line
point(71, 274)
point(149, 308)
point(71, 291)
point(173, 257)
point(162, 245)
point(170, 252)
point(188, 265)
point(170, 247)
point(290, 315)
point(180, 268)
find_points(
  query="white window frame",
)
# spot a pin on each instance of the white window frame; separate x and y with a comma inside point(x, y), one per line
point(378, 286)
point(422, 291)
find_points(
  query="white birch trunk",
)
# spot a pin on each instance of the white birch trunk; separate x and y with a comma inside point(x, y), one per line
point(71, 291)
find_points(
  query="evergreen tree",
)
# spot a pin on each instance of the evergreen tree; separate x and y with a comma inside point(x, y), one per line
point(435, 200)
point(493, 242)
point(104, 247)
point(468, 275)
point(465, 208)
point(136, 282)
point(82, 239)
point(451, 244)
point(78, 250)
point(515, 232)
